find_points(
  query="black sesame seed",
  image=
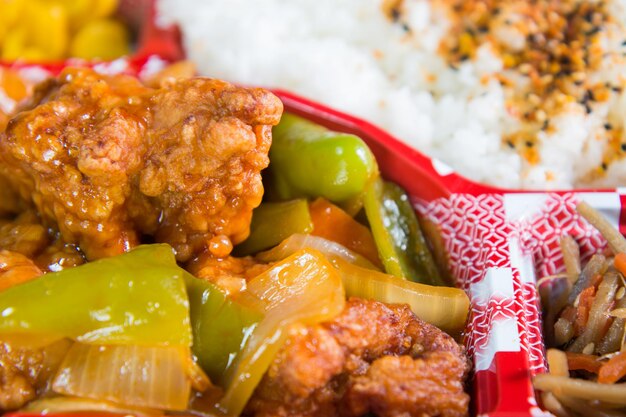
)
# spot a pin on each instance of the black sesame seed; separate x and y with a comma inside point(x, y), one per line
point(529, 144)
point(512, 145)
point(587, 108)
point(604, 166)
point(395, 14)
point(593, 31)
point(406, 27)
point(608, 126)
point(623, 146)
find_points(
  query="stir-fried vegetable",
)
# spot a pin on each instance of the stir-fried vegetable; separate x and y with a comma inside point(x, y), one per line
point(308, 160)
point(590, 329)
point(303, 288)
point(140, 376)
point(274, 222)
point(445, 307)
point(616, 241)
point(221, 326)
point(578, 361)
point(613, 370)
point(135, 298)
point(330, 249)
point(332, 223)
point(75, 405)
point(561, 385)
point(401, 244)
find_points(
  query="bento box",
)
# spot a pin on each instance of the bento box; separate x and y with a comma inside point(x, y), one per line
point(497, 242)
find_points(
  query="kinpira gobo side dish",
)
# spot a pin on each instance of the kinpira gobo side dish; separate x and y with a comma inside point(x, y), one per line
point(122, 208)
point(584, 317)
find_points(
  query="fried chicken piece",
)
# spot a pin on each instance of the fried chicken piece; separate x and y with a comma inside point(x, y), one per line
point(9, 200)
point(26, 372)
point(24, 234)
point(404, 366)
point(16, 268)
point(396, 386)
point(229, 273)
point(106, 160)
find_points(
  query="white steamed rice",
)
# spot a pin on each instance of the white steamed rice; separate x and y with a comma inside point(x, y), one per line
point(349, 55)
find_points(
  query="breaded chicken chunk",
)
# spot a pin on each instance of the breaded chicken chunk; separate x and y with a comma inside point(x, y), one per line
point(373, 358)
point(106, 160)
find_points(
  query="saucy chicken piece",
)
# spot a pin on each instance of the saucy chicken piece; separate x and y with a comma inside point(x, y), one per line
point(16, 268)
point(26, 373)
point(373, 358)
point(24, 234)
point(229, 273)
point(106, 160)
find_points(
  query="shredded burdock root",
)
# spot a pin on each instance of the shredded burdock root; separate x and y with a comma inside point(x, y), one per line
point(551, 52)
point(584, 329)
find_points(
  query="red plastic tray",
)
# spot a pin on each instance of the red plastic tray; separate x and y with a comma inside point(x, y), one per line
point(498, 240)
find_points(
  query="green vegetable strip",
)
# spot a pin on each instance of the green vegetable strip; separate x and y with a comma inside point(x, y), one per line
point(221, 327)
point(308, 160)
point(135, 298)
point(274, 222)
point(401, 244)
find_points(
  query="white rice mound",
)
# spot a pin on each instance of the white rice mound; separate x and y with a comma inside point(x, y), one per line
point(347, 54)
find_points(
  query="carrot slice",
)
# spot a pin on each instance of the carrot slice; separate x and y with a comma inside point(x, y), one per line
point(613, 370)
point(585, 301)
point(620, 262)
point(332, 223)
point(578, 361)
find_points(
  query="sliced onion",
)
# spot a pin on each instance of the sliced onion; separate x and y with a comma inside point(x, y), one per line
point(329, 248)
point(445, 307)
point(131, 375)
point(303, 288)
point(61, 405)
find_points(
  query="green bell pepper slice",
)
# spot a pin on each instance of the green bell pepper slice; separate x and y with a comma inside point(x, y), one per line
point(308, 160)
point(221, 327)
point(274, 222)
point(135, 298)
point(399, 239)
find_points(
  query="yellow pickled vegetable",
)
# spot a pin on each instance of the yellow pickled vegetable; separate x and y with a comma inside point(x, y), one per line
point(13, 44)
point(49, 30)
point(101, 38)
